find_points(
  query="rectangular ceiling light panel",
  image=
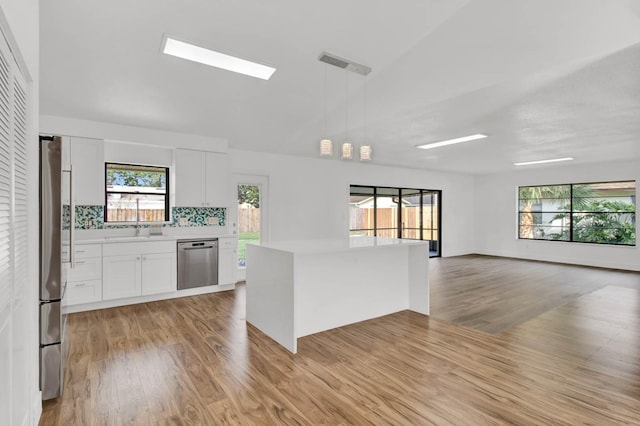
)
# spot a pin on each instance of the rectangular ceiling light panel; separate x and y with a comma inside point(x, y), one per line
point(212, 58)
point(452, 141)
point(553, 160)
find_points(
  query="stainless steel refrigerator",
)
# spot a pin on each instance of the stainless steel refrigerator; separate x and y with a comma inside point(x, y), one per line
point(56, 252)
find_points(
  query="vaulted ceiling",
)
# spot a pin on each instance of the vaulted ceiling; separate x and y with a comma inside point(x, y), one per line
point(542, 78)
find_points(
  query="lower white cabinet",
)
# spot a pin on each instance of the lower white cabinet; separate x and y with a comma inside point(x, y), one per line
point(135, 269)
point(158, 273)
point(121, 277)
point(84, 281)
point(227, 260)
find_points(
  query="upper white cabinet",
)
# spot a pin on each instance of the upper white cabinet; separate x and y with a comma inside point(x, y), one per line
point(201, 179)
point(217, 183)
point(87, 160)
point(189, 178)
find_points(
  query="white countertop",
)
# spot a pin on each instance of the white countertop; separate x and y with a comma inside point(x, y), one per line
point(146, 238)
point(338, 244)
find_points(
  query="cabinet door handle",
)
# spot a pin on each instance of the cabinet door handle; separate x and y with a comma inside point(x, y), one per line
point(81, 284)
point(138, 258)
point(80, 262)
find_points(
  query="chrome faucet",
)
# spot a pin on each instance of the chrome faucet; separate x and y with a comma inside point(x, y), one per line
point(137, 217)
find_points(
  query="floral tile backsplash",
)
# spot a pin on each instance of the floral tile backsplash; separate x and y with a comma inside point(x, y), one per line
point(92, 217)
point(198, 216)
point(89, 217)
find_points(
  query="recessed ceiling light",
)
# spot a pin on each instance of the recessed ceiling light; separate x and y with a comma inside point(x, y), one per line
point(553, 160)
point(212, 58)
point(452, 141)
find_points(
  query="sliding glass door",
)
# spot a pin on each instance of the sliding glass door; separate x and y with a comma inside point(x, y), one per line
point(387, 212)
point(431, 220)
point(396, 213)
point(411, 219)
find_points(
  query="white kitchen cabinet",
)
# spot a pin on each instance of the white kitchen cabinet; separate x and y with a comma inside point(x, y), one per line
point(87, 160)
point(227, 260)
point(189, 178)
point(135, 269)
point(159, 273)
point(201, 179)
point(84, 281)
point(217, 180)
point(121, 277)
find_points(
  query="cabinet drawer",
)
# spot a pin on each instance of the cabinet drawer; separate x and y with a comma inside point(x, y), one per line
point(83, 292)
point(84, 251)
point(86, 269)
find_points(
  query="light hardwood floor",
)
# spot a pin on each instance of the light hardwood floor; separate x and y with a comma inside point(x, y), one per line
point(508, 342)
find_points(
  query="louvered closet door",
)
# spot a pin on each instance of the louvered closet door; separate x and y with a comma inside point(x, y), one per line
point(20, 366)
point(6, 269)
point(6, 154)
point(19, 185)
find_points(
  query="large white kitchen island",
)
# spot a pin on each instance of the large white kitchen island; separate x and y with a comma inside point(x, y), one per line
point(298, 288)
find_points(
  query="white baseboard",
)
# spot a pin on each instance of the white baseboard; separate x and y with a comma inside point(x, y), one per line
point(151, 298)
point(567, 260)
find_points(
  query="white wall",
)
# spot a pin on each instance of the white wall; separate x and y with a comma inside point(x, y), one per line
point(22, 17)
point(19, 20)
point(65, 126)
point(496, 216)
point(131, 153)
point(309, 197)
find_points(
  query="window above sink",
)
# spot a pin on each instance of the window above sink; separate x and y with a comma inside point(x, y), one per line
point(136, 193)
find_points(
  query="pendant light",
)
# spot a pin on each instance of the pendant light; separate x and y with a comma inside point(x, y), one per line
point(326, 145)
point(365, 153)
point(347, 147)
point(347, 151)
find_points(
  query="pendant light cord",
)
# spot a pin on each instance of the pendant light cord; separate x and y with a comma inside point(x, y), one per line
point(325, 100)
point(346, 105)
point(365, 109)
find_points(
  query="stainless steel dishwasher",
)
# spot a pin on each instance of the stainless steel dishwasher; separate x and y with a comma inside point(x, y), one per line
point(197, 263)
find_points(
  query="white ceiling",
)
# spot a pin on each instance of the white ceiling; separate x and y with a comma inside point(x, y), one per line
point(543, 78)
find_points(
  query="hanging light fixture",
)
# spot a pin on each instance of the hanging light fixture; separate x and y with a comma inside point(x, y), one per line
point(347, 147)
point(326, 145)
point(347, 151)
point(365, 153)
point(365, 150)
point(326, 148)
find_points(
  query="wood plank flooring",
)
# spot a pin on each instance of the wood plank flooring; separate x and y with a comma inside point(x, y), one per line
point(493, 294)
point(573, 358)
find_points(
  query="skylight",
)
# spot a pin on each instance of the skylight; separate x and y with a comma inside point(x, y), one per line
point(452, 141)
point(212, 58)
